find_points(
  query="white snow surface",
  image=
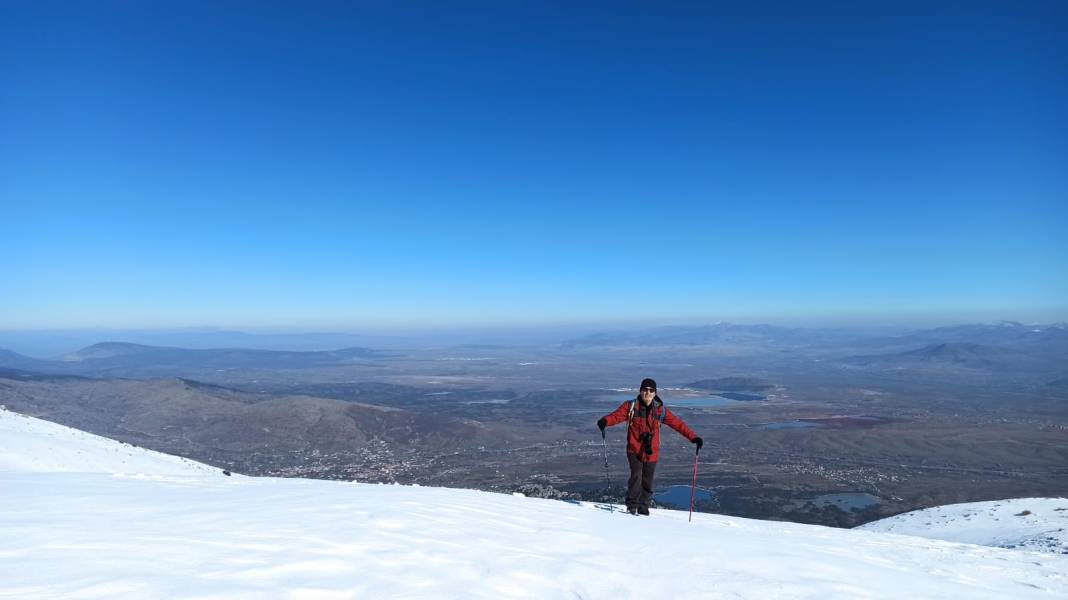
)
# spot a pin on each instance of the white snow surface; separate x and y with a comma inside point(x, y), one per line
point(29, 444)
point(69, 533)
point(1038, 524)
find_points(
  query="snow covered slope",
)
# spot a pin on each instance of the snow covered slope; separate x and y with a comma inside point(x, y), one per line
point(28, 444)
point(1039, 524)
point(201, 535)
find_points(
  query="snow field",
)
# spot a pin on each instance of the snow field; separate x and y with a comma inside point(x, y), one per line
point(86, 535)
point(147, 526)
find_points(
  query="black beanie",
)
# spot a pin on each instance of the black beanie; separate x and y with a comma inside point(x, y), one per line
point(648, 383)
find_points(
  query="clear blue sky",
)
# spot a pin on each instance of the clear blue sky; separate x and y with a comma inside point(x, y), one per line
point(342, 164)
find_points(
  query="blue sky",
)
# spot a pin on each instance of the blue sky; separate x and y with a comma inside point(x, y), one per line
point(352, 164)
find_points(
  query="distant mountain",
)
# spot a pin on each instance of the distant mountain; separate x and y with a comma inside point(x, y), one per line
point(111, 349)
point(220, 425)
point(694, 336)
point(972, 355)
point(966, 355)
point(40, 344)
point(1005, 347)
point(15, 360)
point(109, 359)
point(137, 360)
point(1001, 333)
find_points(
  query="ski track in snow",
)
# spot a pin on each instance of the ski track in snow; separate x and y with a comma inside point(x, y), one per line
point(201, 535)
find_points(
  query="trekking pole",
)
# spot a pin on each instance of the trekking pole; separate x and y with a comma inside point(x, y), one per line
point(604, 444)
point(693, 486)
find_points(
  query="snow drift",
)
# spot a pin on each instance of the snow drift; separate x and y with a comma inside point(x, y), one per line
point(1038, 524)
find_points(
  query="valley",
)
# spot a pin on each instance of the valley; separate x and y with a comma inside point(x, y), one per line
point(787, 424)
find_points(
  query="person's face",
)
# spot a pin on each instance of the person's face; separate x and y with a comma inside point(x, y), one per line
point(647, 394)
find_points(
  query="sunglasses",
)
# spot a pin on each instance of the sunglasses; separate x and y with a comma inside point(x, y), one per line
point(649, 389)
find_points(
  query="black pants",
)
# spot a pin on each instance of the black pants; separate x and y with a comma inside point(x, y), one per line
point(640, 484)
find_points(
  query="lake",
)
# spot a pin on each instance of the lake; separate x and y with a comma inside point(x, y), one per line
point(678, 496)
point(742, 397)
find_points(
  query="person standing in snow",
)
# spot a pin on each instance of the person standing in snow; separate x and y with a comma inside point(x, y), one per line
point(644, 415)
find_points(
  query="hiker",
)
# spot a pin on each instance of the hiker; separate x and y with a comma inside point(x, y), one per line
point(644, 415)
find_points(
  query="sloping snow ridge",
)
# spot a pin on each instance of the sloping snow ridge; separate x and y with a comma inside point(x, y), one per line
point(35, 445)
point(1038, 524)
point(200, 535)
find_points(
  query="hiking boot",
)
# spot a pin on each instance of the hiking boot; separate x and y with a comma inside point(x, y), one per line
point(643, 511)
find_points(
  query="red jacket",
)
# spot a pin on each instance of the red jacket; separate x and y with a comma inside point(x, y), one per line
point(644, 420)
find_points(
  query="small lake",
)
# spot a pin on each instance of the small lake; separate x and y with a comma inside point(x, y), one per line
point(742, 397)
point(678, 496)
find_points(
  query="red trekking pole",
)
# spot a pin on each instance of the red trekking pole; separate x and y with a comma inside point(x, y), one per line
point(693, 486)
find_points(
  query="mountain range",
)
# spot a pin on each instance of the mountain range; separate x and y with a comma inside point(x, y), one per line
point(126, 359)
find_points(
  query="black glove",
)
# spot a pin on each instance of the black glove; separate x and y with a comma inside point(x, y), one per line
point(699, 443)
point(602, 423)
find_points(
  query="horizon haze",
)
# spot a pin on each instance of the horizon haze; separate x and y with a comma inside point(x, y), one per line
point(52, 343)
